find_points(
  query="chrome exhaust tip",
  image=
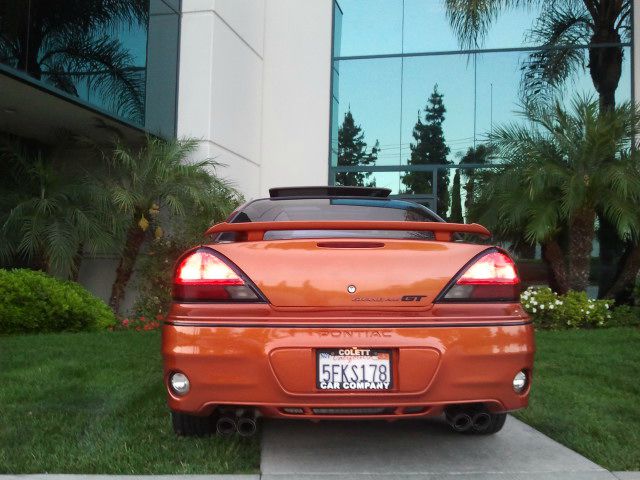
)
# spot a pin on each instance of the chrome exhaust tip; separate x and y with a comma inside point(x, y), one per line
point(226, 426)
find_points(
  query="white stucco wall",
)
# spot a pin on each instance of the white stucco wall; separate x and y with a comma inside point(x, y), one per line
point(254, 88)
point(296, 93)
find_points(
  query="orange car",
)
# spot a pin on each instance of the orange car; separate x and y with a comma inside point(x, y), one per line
point(341, 303)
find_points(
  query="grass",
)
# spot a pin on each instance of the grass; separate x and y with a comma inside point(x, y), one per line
point(95, 403)
point(586, 393)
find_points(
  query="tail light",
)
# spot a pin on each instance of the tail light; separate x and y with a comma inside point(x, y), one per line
point(492, 276)
point(202, 275)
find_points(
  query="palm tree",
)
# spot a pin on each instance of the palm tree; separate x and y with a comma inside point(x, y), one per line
point(142, 182)
point(54, 218)
point(557, 173)
point(562, 24)
point(64, 42)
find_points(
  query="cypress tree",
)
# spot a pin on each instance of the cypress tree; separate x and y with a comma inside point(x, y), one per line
point(430, 148)
point(352, 152)
point(456, 200)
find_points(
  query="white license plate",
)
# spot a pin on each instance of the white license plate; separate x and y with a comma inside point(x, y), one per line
point(354, 369)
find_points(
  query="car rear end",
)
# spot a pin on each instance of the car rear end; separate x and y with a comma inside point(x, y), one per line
point(299, 310)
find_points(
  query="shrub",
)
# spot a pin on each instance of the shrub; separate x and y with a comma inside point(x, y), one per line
point(625, 316)
point(155, 273)
point(155, 268)
point(32, 302)
point(573, 310)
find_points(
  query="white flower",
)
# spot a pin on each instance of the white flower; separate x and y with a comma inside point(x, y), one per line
point(534, 301)
point(551, 307)
point(606, 305)
point(534, 310)
point(542, 306)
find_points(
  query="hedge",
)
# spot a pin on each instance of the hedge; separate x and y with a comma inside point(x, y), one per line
point(33, 302)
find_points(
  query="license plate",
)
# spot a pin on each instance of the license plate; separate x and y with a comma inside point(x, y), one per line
point(354, 369)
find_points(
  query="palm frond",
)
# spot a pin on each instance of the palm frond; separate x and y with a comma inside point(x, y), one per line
point(558, 30)
point(103, 63)
point(472, 19)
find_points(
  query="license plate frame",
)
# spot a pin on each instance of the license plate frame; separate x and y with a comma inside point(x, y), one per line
point(369, 381)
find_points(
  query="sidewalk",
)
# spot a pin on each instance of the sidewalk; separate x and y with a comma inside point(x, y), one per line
point(417, 449)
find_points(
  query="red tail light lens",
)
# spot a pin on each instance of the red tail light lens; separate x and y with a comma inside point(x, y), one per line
point(492, 276)
point(204, 276)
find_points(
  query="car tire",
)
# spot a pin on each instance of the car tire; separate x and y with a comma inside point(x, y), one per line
point(186, 425)
point(495, 425)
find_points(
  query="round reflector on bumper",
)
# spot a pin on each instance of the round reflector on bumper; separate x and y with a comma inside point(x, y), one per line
point(179, 383)
point(520, 382)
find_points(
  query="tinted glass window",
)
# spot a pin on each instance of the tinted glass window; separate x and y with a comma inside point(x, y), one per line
point(337, 209)
point(122, 61)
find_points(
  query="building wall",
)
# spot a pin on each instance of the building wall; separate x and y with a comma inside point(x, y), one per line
point(296, 93)
point(254, 88)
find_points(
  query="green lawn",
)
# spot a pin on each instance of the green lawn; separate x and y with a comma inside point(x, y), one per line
point(95, 403)
point(586, 393)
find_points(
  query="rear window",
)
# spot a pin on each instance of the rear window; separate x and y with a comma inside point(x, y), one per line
point(334, 209)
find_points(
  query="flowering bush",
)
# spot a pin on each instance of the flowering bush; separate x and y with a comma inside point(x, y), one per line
point(573, 310)
point(140, 323)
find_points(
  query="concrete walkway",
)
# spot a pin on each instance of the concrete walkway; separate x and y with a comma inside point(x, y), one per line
point(416, 449)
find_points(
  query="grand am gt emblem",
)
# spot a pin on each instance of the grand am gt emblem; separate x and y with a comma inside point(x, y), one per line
point(354, 333)
point(404, 298)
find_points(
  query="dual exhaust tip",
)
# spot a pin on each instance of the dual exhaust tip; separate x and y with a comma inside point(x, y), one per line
point(462, 420)
point(243, 425)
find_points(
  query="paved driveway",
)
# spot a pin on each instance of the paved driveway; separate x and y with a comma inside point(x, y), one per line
point(416, 449)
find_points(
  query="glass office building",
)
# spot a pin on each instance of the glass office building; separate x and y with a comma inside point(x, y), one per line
point(389, 55)
point(118, 58)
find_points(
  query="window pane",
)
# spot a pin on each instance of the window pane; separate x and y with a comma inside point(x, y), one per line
point(427, 28)
point(370, 27)
point(161, 69)
point(14, 16)
point(370, 91)
point(453, 76)
point(393, 181)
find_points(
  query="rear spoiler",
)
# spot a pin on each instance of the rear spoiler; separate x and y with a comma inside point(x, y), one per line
point(254, 231)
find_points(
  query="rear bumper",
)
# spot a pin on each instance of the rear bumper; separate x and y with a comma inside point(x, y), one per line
point(272, 367)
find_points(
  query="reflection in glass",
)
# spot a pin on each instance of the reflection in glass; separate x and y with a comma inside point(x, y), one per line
point(84, 48)
point(427, 28)
point(370, 91)
point(96, 50)
point(388, 96)
point(393, 181)
point(14, 18)
point(370, 27)
point(161, 68)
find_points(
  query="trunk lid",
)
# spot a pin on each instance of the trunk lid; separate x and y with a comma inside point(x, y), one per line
point(319, 272)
